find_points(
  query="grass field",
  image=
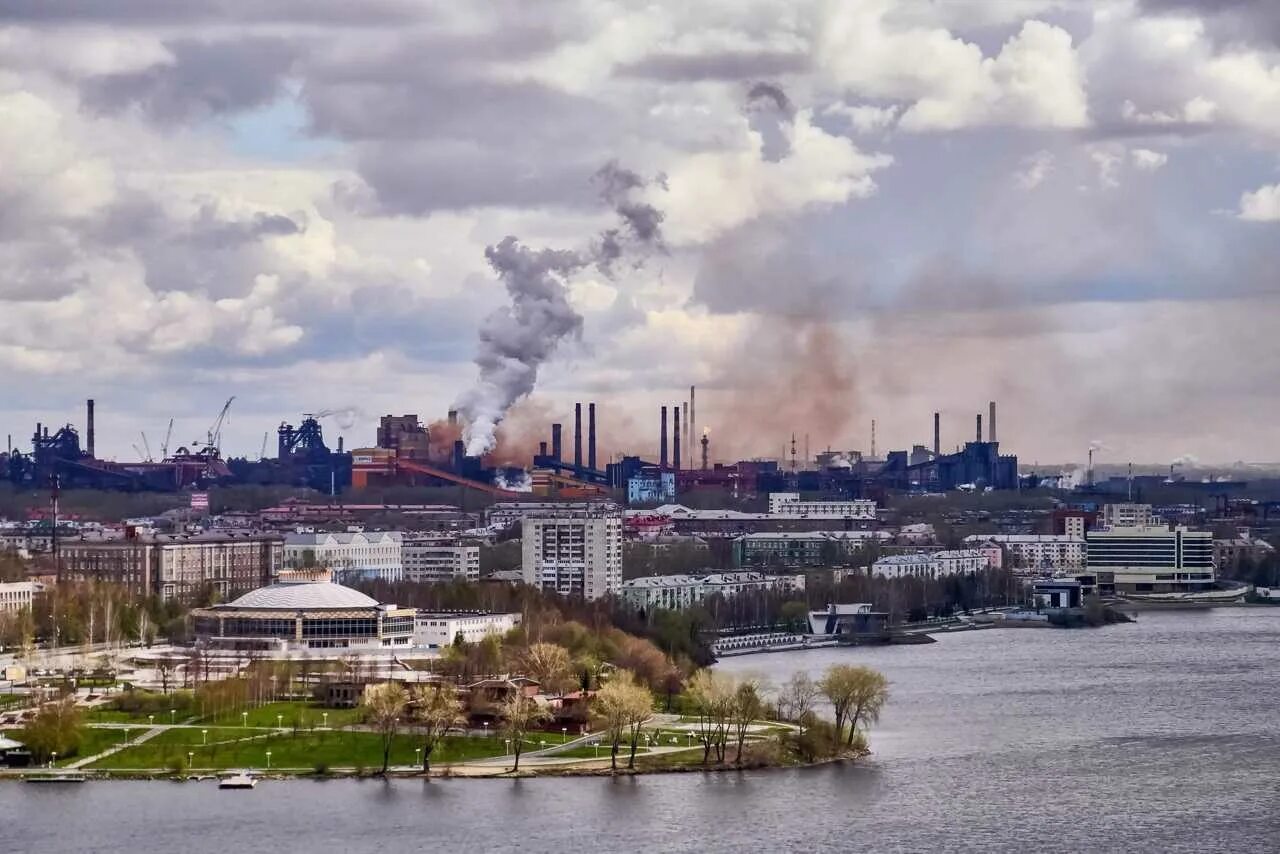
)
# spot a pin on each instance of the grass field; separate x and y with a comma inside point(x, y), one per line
point(302, 752)
point(92, 742)
point(586, 751)
point(292, 714)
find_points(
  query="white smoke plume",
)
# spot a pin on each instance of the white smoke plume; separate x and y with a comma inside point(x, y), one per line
point(1185, 460)
point(516, 340)
point(517, 482)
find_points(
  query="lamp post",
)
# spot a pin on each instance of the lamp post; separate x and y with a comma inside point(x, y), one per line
point(279, 721)
point(204, 736)
point(268, 760)
point(326, 720)
point(53, 758)
point(151, 719)
point(171, 711)
point(191, 757)
point(485, 724)
point(564, 734)
point(417, 754)
point(506, 745)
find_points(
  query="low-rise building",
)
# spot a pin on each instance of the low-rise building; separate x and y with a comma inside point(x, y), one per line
point(1150, 559)
point(674, 592)
point(436, 630)
point(1036, 551)
point(19, 595)
point(802, 548)
point(182, 567)
point(1230, 552)
point(938, 564)
point(790, 504)
point(304, 616)
point(357, 555)
point(434, 560)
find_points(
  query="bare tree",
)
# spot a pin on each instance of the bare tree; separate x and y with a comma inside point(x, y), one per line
point(436, 710)
point(747, 707)
point(712, 694)
point(796, 698)
point(384, 706)
point(519, 715)
point(856, 693)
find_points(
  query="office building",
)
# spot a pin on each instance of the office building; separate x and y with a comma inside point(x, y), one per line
point(1150, 559)
point(576, 555)
point(352, 556)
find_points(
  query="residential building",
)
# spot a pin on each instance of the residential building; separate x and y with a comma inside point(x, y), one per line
point(504, 514)
point(304, 616)
point(1037, 551)
point(19, 595)
point(1127, 516)
point(938, 564)
point(439, 630)
point(183, 567)
point(432, 559)
point(576, 555)
point(1150, 559)
point(674, 592)
point(351, 556)
point(802, 548)
point(790, 504)
point(1229, 553)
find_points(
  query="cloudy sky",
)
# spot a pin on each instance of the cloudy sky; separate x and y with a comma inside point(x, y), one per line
point(1070, 207)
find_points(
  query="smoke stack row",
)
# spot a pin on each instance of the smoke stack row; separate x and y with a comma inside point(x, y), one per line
point(577, 435)
point(557, 443)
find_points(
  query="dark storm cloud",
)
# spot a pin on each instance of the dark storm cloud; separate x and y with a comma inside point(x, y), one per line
point(732, 65)
point(204, 79)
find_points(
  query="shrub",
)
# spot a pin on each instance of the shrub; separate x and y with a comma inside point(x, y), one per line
point(321, 769)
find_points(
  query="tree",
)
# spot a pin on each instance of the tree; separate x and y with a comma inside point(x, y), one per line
point(711, 693)
point(56, 728)
point(622, 707)
point(384, 705)
point(550, 664)
point(746, 708)
point(436, 710)
point(795, 615)
point(519, 715)
point(856, 693)
point(795, 698)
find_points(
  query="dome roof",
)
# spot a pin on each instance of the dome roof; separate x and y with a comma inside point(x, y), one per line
point(306, 595)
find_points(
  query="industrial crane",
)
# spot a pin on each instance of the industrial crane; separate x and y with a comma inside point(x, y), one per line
point(164, 446)
point(214, 443)
point(147, 446)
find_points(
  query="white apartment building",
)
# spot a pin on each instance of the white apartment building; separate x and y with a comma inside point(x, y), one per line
point(435, 559)
point(351, 556)
point(932, 564)
point(439, 630)
point(19, 595)
point(674, 592)
point(789, 504)
point(1127, 516)
point(1037, 551)
point(578, 555)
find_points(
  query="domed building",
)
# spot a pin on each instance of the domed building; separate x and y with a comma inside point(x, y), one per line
point(317, 615)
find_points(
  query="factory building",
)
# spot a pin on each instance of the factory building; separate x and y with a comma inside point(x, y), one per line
point(675, 592)
point(790, 504)
point(352, 556)
point(1150, 559)
point(650, 486)
point(576, 555)
point(181, 567)
point(432, 560)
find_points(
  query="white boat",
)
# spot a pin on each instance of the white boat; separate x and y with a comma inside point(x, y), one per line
point(239, 780)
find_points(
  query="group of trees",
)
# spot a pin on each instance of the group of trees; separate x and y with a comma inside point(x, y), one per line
point(56, 729)
point(621, 707)
point(725, 706)
point(434, 710)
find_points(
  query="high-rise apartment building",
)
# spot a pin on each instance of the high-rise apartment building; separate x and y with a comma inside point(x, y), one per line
point(435, 559)
point(574, 555)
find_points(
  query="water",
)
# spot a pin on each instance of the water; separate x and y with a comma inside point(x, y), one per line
point(1160, 736)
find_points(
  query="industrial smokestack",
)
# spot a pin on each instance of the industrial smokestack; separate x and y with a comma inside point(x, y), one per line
point(991, 421)
point(577, 435)
point(662, 452)
point(459, 455)
point(557, 447)
point(542, 449)
point(591, 436)
point(453, 417)
point(937, 434)
point(693, 413)
point(706, 442)
point(688, 434)
point(89, 426)
point(675, 445)
point(979, 427)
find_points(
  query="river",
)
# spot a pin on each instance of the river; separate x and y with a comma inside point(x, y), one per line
point(1158, 736)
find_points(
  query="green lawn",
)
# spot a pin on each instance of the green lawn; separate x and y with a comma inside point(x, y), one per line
point(288, 751)
point(104, 715)
point(589, 752)
point(92, 742)
point(292, 714)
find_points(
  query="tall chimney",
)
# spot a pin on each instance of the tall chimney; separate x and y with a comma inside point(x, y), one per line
point(577, 435)
point(979, 426)
point(991, 421)
point(706, 440)
point(557, 447)
point(542, 449)
point(662, 452)
point(453, 417)
point(693, 414)
point(688, 433)
point(591, 436)
point(937, 434)
point(675, 445)
point(89, 426)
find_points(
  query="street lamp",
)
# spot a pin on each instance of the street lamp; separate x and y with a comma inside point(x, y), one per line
point(244, 719)
point(268, 760)
point(171, 711)
point(151, 719)
point(506, 745)
point(191, 759)
point(279, 721)
point(564, 734)
point(417, 753)
point(204, 736)
point(326, 720)
point(53, 757)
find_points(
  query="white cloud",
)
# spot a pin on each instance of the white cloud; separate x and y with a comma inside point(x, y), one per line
point(1146, 160)
point(1108, 160)
point(1035, 168)
point(1261, 205)
point(866, 118)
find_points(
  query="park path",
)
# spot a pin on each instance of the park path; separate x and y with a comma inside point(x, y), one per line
point(146, 736)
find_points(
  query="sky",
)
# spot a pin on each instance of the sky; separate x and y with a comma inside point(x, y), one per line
point(868, 210)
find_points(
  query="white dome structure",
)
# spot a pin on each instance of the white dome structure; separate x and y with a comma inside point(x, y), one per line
point(311, 595)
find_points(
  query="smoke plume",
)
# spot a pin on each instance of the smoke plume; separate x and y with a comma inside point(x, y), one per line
point(517, 339)
point(770, 114)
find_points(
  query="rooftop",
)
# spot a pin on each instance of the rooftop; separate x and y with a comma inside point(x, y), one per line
point(305, 596)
